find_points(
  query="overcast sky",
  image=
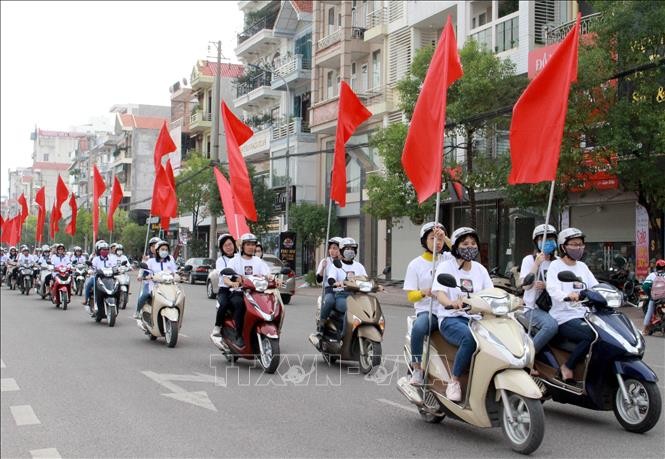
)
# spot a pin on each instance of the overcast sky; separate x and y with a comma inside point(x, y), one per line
point(64, 63)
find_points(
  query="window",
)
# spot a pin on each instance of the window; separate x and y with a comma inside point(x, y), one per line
point(329, 85)
point(507, 35)
point(508, 6)
point(331, 20)
point(352, 176)
point(353, 76)
point(483, 38)
point(363, 78)
point(482, 19)
point(45, 156)
point(376, 69)
point(303, 46)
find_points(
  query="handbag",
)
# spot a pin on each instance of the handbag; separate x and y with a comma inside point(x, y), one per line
point(544, 300)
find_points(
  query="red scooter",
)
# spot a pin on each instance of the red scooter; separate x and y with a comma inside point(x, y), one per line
point(264, 315)
point(61, 286)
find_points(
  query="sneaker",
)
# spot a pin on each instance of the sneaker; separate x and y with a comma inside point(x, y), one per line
point(417, 378)
point(136, 316)
point(454, 391)
point(216, 331)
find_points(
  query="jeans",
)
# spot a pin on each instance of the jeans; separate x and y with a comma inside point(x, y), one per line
point(144, 297)
point(227, 301)
point(650, 310)
point(87, 288)
point(328, 304)
point(418, 332)
point(546, 324)
point(456, 331)
point(578, 331)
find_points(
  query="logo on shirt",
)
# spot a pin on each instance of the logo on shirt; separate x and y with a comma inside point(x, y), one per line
point(467, 285)
point(350, 275)
point(249, 270)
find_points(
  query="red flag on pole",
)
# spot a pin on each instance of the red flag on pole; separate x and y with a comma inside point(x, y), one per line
point(40, 199)
point(163, 146)
point(71, 227)
point(98, 188)
point(165, 222)
point(351, 113)
point(8, 231)
point(539, 116)
point(15, 235)
point(2, 222)
point(164, 201)
point(24, 207)
point(423, 149)
point(61, 192)
point(236, 222)
point(238, 133)
point(54, 226)
point(116, 198)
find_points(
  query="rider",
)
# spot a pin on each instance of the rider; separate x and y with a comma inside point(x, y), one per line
point(13, 254)
point(100, 261)
point(77, 256)
point(25, 259)
point(572, 325)
point(226, 298)
point(454, 322)
point(59, 258)
point(646, 286)
point(418, 284)
point(537, 264)
point(336, 277)
point(329, 295)
point(162, 261)
point(259, 249)
point(120, 254)
point(45, 258)
point(144, 273)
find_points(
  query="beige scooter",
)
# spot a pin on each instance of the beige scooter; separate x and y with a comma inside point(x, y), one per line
point(162, 315)
point(498, 390)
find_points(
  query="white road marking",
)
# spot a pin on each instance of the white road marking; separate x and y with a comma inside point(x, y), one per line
point(198, 398)
point(8, 385)
point(2, 364)
point(24, 415)
point(397, 405)
point(45, 453)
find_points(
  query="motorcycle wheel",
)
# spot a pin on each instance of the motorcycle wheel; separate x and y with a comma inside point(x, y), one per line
point(525, 433)
point(113, 313)
point(122, 300)
point(79, 289)
point(12, 284)
point(269, 358)
point(372, 358)
point(64, 300)
point(171, 332)
point(643, 411)
point(286, 299)
point(210, 291)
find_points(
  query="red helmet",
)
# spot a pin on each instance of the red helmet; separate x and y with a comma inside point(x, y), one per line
point(660, 264)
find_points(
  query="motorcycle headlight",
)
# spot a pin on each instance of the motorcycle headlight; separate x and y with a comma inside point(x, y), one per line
point(108, 272)
point(613, 297)
point(500, 305)
point(260, 285)
point(365, 286)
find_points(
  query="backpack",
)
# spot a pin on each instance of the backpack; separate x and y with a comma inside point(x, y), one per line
point(658, 288)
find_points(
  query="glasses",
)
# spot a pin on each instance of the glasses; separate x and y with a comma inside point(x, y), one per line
point(575, 245)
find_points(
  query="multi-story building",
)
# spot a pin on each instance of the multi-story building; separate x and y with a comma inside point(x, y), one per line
point(22, 180)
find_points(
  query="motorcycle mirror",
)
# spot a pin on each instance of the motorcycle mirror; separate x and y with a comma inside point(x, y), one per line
point(143, 265)
point(446, 280)
point(88, 262)
point(285, 270)
point(337, 264)
point(568, 276)
point(529, 280)
point(386, 271)
point(124, 263)
point(228, 272)
point(188, 268)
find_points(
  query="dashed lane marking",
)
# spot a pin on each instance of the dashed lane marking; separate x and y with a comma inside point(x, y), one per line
point(24, 415)
point(45, 453)
point(397, 405)
point(8, 385)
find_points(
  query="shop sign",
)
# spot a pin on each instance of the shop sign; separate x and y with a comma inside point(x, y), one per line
point(641, 242)
point(287, 248)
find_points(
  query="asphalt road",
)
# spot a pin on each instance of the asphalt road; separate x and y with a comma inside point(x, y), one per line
point(75, 388)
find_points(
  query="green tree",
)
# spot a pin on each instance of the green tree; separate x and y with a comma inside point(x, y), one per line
point(264, 201)
point(196, 188)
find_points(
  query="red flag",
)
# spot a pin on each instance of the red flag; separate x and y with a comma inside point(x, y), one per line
point(163, 146)
point(238, 133)
point(165, 222)
point(164, 201)
point(98, 188)
point(8, 231)
point(351, 113)
point(56, 215)
point(71, 227)
point(24, 207)
point(16, 229)
point(2, 222)
point(116, 197)
point(236, 222)
point(40, 199)
point(539, 115)
point(457, 190)
point(61, 192)
point(423, 148)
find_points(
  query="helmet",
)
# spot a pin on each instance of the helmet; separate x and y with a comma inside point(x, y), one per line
point(161, 243)
point(54, 247)
point(458, 235)
point(12, 248)
point(258, 244)
point(46, 248)
point(335, 240)
point(660, 265)
point(348, 242)
point(85, 254)
point(77, 249)
point(119, 247)
point(38, 249)
point(24, 248)
point(101, 244)
point(153, 240)
point(113, 246)
point(59, 246)
point(248, 237)
point(568, 234)
point(426, 229)
point(538, 231)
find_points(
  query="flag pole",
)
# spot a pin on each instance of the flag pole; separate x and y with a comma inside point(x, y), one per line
point(435, 256)
point(326, 254)
point(147, 231)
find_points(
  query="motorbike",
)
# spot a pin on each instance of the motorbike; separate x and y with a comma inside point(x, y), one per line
point(613, 375)
point(104, 303)
point(497, 391)
point(79, 276)
point(43, 289)
point(123, 282)
point(3, 270)
point(658, 318)
point(264, 315)
point(505, 282)
point(24, 278)
point(61, 287)
point(623, 279)
point(11, 275)
point(162, 315)
point(362, 333)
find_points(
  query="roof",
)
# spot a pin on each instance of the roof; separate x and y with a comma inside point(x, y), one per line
point(50, 166)
point(302, 6)
point(226, 70)
point(141, 122)
point(43, 133)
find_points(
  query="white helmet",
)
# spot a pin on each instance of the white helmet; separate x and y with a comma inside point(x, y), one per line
point(46, 248)
point(538, 231)
point(568, 234)
point(153, 240)
point(458, 235)
point(348, 242)
point(248, 237)
point(335, 240)
point(429, 226)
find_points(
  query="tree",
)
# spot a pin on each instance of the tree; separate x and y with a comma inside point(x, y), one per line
point(195, 188)
point(309, 221)
point(264, 201)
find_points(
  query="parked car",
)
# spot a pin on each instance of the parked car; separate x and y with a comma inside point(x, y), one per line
point(200, 267)
point(287, 290)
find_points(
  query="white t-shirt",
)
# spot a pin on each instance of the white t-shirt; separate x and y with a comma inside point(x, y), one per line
point(78, 260)
point(419, 277)
point(100, 263)
point(474, 280)
point(250, 267)
point(221, 263)
point(563, 311)
point(347, 271)
point(121, 258)
point(531, 294)
point(157, 266)
point(57, 260)
point(26, 260)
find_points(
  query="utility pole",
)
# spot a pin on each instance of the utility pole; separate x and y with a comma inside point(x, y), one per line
point(214, 154)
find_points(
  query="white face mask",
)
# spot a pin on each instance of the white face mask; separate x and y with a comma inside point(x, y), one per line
point(163, 253)
point(349, 254)
point(118, 252)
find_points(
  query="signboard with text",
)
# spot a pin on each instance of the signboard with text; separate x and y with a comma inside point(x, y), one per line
point(287, 248)
point(641, 242)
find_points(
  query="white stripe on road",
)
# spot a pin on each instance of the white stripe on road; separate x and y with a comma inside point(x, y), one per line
point(8, 385)
point(398, 405)
point(2, 364)
point(45, 453)
point(24, 415)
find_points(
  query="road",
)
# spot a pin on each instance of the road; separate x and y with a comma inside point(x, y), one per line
point(75, 388)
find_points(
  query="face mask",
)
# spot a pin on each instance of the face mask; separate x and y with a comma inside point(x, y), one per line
point(349, 254)
point(575, 253)
point(468, 253)
point(163, 253)
point(103, 253)
point(550, 246)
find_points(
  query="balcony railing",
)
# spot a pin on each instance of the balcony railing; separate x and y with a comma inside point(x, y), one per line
point(200, 116)
point(295, 126)
point(557, 34)
point(266, 22)
point(329, 40)
point(292, 64)
point(261, 79)
point(377, 17)
point(378, 95)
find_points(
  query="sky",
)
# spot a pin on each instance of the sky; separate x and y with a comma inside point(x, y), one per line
point(65, 63)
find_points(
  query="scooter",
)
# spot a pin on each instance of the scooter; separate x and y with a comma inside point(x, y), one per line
point(613, 375)
point(79, 276)
point(11, 275)
point(497, 391)
point(264, 315)
point(162, 315)
point(123, 282)
point(24, 278)
point(43, 289)
point(362, 332)
point(658, 318)
point(61, 287)
point(104, 303)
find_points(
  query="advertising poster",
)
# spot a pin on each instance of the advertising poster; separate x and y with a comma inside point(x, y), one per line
point(641, 242)
point(287, 248)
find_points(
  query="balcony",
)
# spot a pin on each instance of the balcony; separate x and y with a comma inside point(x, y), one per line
point(557, 34)
point(121, 156)
point(294, 70)
point(258, 38)
point(200, 121)
point(201, 81)
point(295, 129)
point(378, 100)
point(258, 146)
point(323, 117)
point(376, 25)
point(256, 92)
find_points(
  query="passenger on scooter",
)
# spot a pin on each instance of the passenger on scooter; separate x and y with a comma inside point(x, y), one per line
point(77, 256)
point(418, 284)
point(13, 254)
point(259, 250)
point(120, 254)
point(226, 299)
point(646, 286)
point(537, 264)
point(25, 259)
point(102, 260)
point(572, 325)
point(454, 323)
point(143, 273)
point(336, 277)
point(329, 296)
point(161, 262)
point(45, 259)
